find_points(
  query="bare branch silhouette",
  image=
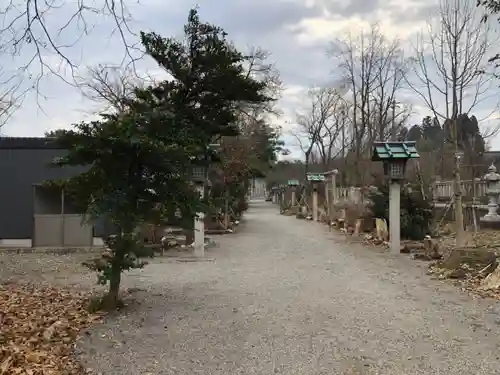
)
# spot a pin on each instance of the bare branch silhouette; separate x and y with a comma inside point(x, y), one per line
point(41, 30)
point(449, 70)
point(111, 86)
point(371, 68)
point(12, 92)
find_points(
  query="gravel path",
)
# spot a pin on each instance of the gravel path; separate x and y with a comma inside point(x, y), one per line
point(286, 297)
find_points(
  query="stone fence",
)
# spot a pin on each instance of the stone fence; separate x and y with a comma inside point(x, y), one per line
point(348, 195)
point(442, 191)
point(475, 201)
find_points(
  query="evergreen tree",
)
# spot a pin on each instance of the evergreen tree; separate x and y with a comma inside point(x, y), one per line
point(140, 161)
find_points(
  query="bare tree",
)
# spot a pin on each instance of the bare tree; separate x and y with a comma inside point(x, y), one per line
point(259, 67)
point(111, 86)
point(450, 60)
point(310, 123)
point(333, 135)
point(372, 71)
point(34, 32)
point(11, 96)
point(448, 74)
point(12, 92)
point(321, 127)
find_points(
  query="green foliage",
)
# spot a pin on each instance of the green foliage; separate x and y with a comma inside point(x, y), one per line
point(429, 132)
point(266, 144)
point(54, 133)
point(140, 160)
point(285, 170)
point(209, 82)
point(434, 136)
point(469, 135)
point(238, 194)
point(416, 213)
point(132, 171)
point(127, 172)
point(492, 6)
point(210, 88)
point(127, 246)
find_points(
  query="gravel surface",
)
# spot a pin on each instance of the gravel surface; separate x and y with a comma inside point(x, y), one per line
point(50, 269)
point(284, 296)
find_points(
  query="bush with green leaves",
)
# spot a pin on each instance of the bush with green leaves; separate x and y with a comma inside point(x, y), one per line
point(416, 212)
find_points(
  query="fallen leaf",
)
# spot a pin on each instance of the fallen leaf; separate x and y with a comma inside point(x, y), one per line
point(39, 327)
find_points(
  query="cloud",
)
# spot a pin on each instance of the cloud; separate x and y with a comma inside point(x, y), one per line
point(296, 32)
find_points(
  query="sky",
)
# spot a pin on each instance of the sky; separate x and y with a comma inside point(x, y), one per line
point(295, 32)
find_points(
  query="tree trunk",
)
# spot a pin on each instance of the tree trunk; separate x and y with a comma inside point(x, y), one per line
point(189, 233)
point(226, 209)
point(111, 300)
point(306, 166)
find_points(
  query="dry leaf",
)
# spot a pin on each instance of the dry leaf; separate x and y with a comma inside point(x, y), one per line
point(39, 326)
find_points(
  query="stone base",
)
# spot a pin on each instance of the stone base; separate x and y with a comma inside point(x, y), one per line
point(490, 222)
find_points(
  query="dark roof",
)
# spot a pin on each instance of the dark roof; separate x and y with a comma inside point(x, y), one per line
point(32, 143)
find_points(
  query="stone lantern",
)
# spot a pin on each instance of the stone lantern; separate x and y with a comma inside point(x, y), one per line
point(199, 176)
point(492, 219)
point(292, 185)
point(394, 155)
point(315, 179)
point(198, 179)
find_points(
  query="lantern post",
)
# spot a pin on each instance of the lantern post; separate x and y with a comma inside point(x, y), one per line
point(198, 178)
point(331, 192)
point(315, 179)
point(394, 155)
point(203, 185)
point(492, 220)
point(292, 184)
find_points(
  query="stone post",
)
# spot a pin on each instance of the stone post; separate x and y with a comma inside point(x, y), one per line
point(294, 198)
point(315, 203)
point(335, 172)
point(492, 220)
point(282, 199)
point(327, 193)
point(331, 192)
point(199, 234)
point(199, 230)
point(395, 217)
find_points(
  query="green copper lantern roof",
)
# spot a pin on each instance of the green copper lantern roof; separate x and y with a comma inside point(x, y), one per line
point(315, 177)
point(394, 151)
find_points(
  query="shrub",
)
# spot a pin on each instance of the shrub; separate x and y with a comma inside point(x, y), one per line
point(416, 212)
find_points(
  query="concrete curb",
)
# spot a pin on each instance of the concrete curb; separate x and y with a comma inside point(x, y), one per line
point(51, 250)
